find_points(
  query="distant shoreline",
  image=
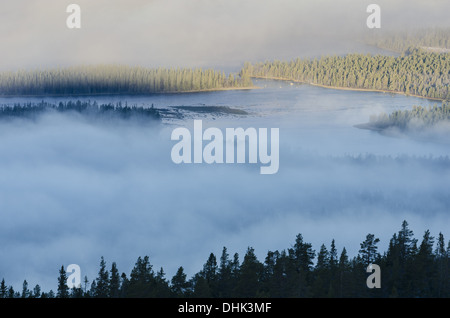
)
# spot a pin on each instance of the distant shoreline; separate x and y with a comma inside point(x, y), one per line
point(229, 89)
point(137, 94)
point(346, 88)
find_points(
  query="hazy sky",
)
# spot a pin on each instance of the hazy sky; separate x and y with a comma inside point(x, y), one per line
point(194, 32)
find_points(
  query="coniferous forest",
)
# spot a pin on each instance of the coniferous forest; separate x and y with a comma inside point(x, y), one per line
point(409, 268)
point(402, 41)
point(418, 72)
point(115, 79)
point(88, 109)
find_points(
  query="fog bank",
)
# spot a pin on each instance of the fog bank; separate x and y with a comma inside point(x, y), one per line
point(197, 33)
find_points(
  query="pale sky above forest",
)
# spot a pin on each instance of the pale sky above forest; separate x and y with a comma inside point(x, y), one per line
point(194, 32)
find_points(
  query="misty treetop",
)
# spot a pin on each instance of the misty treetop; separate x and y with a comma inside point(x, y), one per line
point(402, 41)
point(85, 108)
point(116, 79)
point(408, 269)
point(419, 73)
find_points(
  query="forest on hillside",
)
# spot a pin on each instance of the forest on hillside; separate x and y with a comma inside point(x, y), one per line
point(420, 73)
point(408, 269)
point(115, 79)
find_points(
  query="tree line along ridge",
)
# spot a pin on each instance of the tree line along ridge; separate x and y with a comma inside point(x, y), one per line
point(116, 79)
point(88, 109)
point(408, 269)
point(417, 72)
point(421, 73)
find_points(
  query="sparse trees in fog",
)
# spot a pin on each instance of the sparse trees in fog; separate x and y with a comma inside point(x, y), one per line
point(416, 119)
point(89, 109)
point(403, 41)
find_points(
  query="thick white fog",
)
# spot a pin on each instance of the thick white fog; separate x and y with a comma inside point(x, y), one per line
point(180, 33)
point(72, 191)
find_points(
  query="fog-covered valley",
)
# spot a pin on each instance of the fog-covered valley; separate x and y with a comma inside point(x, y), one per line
point(73, 190)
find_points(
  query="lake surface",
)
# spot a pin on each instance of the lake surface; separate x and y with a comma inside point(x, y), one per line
point(71, 191)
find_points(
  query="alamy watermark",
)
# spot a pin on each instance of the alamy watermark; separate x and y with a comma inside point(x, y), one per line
point(374, 19)
point(73, 21)
point(74, 278)
point(374, 279)
point(191, 149)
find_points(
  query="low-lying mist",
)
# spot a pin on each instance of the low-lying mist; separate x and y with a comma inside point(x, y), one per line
point(73, 190)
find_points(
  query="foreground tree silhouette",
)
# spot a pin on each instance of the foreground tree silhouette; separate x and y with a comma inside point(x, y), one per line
point(250, 274)
point(63, 289)
point(114, 282)
point(424, 269)
point(407, 271)
point(225, 280)
point(102, 282)
point(442, 267)
point(3, 289)
point(180, 285)
point(368, 251)
point(210, 274)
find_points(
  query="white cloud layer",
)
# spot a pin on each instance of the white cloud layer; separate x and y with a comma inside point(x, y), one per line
point(220, 33)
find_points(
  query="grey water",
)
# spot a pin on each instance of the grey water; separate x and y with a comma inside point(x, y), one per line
point(72, 191)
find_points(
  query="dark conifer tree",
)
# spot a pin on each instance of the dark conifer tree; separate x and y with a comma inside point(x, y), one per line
point(85, 282)
point(36, 291)
point(11, 293)
point(322, 280)
point(179, 283)
point(76, 292)
point(63, 289)
point(124, 284)
point(424, 269)
point(3, 289)
point(368, 251)
point(302, 257)
point(235, 270)
point(344, 275)
point(114, 282)
point(251, 272)
point(162, 288)
point(442, 268)
point(25, 290)
point(303, 254)
point(210, 273)
point(225, 277)
point(102, 282)
point(201, 288)
point(142, 281)
point(93, 290)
